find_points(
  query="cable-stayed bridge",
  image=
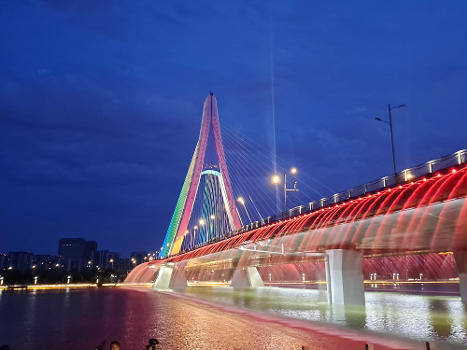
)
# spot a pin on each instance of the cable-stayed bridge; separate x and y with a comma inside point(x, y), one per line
point(411, 225)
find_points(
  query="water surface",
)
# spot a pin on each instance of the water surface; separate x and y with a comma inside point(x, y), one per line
point(418, 317)
point(82, 319)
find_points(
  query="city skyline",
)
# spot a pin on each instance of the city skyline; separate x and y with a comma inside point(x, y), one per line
point(114, 104)
point(73, 254)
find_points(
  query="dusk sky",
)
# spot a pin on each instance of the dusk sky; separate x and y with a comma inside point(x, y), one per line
point(101, 102)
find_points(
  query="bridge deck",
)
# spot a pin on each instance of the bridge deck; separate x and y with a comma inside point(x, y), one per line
point(420, 215)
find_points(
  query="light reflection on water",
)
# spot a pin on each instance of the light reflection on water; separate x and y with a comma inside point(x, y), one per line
point(81, 319)
point(418, 317)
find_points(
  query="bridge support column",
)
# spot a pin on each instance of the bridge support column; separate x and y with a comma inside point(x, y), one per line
point(344, 277)
point(246, 278)
point(170, 277)
point(461, 264)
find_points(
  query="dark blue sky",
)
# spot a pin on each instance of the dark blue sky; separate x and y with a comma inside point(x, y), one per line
point(100, 101)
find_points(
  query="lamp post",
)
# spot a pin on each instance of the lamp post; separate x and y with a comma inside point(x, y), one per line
point(186, 246)
point(392, 136)
point(202, 223)
point(195, 228)
point(211, 227)
point(276, 180)
point(241, 200)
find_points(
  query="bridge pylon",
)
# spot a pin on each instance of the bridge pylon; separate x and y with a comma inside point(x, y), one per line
point(213, 166)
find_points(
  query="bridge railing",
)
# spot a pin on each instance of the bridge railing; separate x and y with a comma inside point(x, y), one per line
point(403, 176)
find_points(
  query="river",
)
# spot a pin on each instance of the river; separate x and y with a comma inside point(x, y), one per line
point(82, 319)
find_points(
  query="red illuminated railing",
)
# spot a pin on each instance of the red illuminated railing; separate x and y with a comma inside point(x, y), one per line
point(447, 184)
point(407, 175)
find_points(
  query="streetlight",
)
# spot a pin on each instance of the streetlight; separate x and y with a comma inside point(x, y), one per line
point(276, 180)
point(211, 227)
point(195, 228)
point(112, 262)
point(241, 200)
point(392, 137)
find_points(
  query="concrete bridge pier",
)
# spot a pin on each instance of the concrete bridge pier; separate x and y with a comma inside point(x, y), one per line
point(461, 265)
point(246, 278)
point(344, 277)
point(170, 276)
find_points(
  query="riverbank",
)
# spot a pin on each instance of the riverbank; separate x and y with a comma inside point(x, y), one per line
point(19, 287)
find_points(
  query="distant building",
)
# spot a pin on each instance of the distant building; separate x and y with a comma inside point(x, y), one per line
point(102, 259)
point(77, 253)
point(3, 261)
point(123, 265)
point(74, 255)
point(113, 260)
point(45, 262)
point(107, 260)
point(21, 261)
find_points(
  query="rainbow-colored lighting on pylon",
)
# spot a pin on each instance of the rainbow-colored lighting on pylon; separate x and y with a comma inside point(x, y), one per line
point(181, 217)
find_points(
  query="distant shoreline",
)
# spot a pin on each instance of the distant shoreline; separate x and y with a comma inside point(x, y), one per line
point(28, 287)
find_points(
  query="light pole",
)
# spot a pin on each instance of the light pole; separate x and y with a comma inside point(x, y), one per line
point(239, 216)
point(276, 180)
point(187, 245)
point(202, 223)
point(392, 136)
point(211, 227)
point(241, 200)
point(194, 236)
